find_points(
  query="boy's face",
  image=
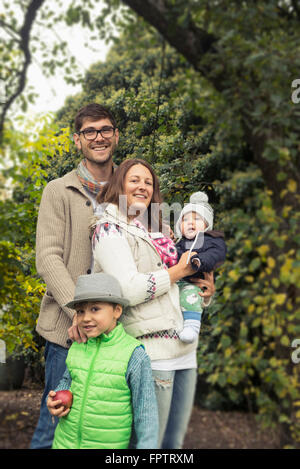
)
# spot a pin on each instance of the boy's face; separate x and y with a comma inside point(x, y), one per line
point(191, 223)
point(96, 318)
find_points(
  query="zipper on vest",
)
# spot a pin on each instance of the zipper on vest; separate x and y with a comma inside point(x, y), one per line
point(85, 392)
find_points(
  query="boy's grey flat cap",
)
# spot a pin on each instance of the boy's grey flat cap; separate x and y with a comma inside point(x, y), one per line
point(97, 287)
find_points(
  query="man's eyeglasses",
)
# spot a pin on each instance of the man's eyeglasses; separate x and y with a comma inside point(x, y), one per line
point(92, 134)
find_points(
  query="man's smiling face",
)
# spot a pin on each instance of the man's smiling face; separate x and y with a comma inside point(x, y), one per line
point(100, 150)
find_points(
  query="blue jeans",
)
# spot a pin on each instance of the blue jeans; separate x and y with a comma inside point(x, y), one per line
point(175, 392)
point(55, 364)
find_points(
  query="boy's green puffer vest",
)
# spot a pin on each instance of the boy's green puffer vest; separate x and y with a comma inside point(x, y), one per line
point(101, 413)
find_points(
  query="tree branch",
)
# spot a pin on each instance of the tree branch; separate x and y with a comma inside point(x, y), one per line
point(194, 44)
point(24, 34)
point(9, 30)
point(191, 42)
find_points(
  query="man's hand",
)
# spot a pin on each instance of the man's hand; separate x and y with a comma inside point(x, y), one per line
point(208, 284)
point(196, 262)
point(74, 333)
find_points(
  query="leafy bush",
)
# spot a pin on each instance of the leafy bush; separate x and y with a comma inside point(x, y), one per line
point(20, 287)
point(19, 300)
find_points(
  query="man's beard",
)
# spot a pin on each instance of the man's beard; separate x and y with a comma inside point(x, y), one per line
point(103, 162)
point(100, 163)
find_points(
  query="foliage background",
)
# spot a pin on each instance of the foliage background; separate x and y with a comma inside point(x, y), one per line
point(197, 138)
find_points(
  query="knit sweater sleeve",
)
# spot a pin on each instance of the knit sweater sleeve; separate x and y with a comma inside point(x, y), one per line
point(50, 234)
point(145, 414)
point(112, 252)
point(65, 382)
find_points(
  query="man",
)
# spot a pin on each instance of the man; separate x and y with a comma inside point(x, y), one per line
point(63, 247)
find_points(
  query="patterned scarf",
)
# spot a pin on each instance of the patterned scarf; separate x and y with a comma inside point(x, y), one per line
point(87, 179)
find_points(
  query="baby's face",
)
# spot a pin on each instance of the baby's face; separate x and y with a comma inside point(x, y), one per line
point(191, 223)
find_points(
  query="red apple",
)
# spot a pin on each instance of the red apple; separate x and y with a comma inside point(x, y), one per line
point(66, 398)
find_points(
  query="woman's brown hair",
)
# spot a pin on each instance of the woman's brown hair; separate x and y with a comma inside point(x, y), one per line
point(115, 187)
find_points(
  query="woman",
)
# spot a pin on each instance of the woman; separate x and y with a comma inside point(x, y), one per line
point(123, 247)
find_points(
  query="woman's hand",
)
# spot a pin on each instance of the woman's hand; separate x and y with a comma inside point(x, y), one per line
point(208, 284)
point(182, 269)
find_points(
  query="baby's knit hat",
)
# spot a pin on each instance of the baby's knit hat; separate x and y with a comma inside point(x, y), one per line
point(198, 203)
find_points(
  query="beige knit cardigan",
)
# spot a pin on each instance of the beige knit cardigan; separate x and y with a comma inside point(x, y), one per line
point(63, 252)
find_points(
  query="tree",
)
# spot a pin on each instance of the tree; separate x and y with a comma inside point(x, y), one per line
point(15, 60)
point(24, 27)
point(249, 72)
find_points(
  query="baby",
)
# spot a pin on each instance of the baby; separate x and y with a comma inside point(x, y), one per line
point(194, 227)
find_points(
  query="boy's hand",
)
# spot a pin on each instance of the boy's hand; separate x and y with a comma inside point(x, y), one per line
point(54, 408)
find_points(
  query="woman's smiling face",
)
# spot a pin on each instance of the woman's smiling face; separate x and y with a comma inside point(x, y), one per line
point(138, 187)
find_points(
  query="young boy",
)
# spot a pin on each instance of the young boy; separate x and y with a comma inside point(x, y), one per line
point(194, 226)
point(110, 377)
